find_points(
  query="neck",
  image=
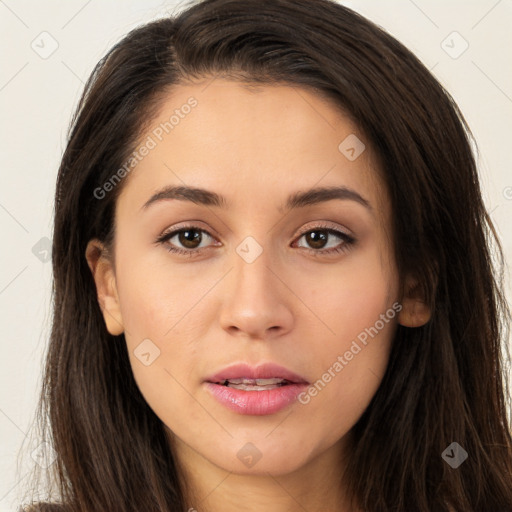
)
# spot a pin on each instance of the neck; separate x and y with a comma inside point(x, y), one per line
point(316, 486)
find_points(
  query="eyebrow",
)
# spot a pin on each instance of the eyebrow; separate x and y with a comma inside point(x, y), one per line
point(298, 199)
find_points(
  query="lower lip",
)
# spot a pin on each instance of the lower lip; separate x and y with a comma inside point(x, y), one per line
point(257, 403)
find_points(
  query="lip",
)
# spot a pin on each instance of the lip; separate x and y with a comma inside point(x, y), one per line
point(257, 403)
point(263, 371)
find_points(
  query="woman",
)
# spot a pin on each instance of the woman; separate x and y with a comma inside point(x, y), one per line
point(273, 277)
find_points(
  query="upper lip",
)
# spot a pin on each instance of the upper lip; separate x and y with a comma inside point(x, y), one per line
point(262, 371)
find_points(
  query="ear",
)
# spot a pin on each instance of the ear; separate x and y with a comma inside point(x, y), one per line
point(414, 312)
point(101, 265)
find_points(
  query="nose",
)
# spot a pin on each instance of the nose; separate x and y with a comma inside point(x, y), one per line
point(258, 302)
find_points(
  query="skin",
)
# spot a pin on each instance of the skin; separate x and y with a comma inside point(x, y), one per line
point(289, 306)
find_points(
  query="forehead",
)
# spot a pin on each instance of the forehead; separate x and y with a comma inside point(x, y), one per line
point(250, 142)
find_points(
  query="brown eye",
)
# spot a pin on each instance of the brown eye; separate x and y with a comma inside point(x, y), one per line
point(187, 240)
point(190, 238)
point(318, 240)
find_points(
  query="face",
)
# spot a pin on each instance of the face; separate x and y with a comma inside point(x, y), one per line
point(253, 285)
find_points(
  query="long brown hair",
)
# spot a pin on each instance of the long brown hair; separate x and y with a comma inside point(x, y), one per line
point(445, 381)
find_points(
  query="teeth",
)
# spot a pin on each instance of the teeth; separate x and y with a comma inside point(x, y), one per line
point(245, 387)
point(257, 382)
point(254, 384)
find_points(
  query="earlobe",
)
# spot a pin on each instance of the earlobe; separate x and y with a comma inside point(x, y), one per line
point(415, 312)
point(102, 269)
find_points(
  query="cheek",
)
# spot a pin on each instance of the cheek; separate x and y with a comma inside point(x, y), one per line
point(157, 299)
point(161, 341)
point(164, 316)
point(357, 306)
point(351, 297)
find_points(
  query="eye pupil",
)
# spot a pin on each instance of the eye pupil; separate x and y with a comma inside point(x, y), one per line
point(316, 241)
point(189, 241)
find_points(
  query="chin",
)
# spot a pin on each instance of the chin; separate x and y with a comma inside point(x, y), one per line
point(259, 458)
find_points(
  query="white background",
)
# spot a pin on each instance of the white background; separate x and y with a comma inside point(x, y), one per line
point(37, 97)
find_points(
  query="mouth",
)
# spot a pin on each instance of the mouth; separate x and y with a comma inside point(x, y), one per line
point(260, 390)
point(262, 376)
point(254, 384)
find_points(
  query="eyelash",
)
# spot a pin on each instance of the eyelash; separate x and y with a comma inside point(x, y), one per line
point(348, 241)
